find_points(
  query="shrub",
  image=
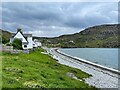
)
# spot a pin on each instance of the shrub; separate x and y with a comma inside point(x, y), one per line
point(17, 44)
point(8, 44)
point(4, 40)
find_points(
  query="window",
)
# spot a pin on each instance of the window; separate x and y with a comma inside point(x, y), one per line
point(25, 46)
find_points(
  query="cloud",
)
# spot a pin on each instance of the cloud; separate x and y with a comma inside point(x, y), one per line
point(54, 19)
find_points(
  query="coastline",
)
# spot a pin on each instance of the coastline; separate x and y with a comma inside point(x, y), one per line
point(90, 63)
point(102, 77)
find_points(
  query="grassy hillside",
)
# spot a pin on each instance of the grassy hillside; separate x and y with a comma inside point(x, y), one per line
point(5, 36)
point(37, 70)
point(102, 36)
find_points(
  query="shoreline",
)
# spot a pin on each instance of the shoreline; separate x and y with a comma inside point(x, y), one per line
point(101, 78)
point(90, 63)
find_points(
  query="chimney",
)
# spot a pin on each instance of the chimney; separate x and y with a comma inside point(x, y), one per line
point(19, 30)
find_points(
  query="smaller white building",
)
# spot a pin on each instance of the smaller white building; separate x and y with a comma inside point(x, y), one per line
point(37, 43)
point(27, 40)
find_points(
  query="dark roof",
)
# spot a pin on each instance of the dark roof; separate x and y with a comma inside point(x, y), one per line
point(24, 35)
point(25, 42)
point(27, 35)
point(13, 34)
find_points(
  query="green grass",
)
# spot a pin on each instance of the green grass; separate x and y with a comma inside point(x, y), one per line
point(38, 70)
point(0, 70)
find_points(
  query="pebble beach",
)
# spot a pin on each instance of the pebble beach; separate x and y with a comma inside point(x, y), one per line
point(100, 78)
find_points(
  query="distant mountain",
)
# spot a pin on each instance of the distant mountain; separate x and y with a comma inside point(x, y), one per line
point(101, 36)
point(5, 36)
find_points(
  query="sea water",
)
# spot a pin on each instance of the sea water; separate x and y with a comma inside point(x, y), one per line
point(103, 56)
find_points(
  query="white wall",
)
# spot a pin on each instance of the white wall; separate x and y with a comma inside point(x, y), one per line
point(34, 44)
point(29, 39)
point(38, 43)
point(30, 44)
point(20, 36)
point(11, 40)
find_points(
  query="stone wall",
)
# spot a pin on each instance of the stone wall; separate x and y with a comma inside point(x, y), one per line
point(7, 48)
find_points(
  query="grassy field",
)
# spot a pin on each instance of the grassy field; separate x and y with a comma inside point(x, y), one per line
point(0, 70)
point(37, 70)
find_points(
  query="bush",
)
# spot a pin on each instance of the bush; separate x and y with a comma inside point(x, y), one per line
point(4, 40)
point(8, 44)
point(17, 44)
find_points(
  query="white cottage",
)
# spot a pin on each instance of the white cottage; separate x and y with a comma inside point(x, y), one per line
point(37, 43)
point(27, 40)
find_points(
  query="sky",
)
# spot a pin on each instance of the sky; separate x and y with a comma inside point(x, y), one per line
point(49, 19)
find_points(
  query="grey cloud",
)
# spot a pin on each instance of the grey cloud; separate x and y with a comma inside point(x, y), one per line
point(43, 17)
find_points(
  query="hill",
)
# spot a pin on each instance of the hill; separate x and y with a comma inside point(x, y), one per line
point(101, 36)
point(5, 36)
